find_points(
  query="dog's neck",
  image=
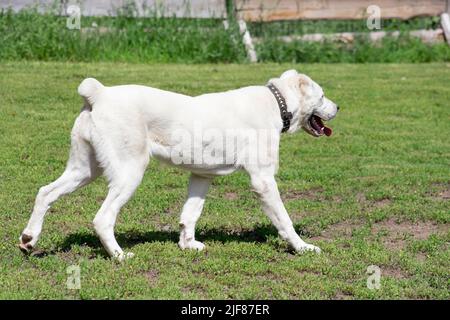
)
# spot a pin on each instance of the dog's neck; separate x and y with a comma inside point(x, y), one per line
point(286, 116)
point(292, 102)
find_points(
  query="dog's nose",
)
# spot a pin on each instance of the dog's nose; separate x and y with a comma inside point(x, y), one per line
point(337, 107)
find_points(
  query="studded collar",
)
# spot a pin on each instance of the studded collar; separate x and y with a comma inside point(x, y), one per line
point(286, 116)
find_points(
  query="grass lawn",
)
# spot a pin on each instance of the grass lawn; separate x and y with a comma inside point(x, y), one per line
point(375, 193)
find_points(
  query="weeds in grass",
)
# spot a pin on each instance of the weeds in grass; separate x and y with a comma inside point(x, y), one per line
point(403, 49)
point(33, 36)
point(299, 27)
point(28, 35)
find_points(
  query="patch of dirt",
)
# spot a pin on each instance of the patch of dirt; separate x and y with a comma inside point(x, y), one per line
point(310, 272)
point(394, 234)
point(442, 193)
point(393, 272)
point(311, 194)
point(445, 195)
point(194, 288)
point(231, 195)
point(399, 232)
point(361, 198)
point(152, 276)
point(370, 204)
point(382, 203)
point(270, 275)
point(420, 230)
point(100, 200)
point(299, 215)
point(420, 256)
point(343, 229)
point(340, 295)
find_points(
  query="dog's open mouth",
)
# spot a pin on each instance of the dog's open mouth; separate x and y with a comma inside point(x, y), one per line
point(317, 127)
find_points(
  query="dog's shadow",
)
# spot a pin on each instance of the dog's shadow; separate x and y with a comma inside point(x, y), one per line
point(130, 238)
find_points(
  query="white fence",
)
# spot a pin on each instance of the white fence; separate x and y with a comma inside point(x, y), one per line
point(248, 10)
point(167, 8)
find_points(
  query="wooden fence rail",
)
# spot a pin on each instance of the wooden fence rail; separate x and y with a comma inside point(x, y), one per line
point(251, 10)
point(166, 8)
point(271, 10)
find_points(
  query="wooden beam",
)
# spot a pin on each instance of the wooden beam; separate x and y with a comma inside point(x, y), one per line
point(248, 42)
point(427, 36)
point(166, 8)
point(272, 10)
point(445, 23)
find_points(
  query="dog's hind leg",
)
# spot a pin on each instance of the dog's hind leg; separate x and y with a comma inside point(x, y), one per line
point(81, 169)
point(121, 188)
point(124, 166)
point(192, 209)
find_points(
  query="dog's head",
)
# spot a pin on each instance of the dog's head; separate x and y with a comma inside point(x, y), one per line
point(313, 106)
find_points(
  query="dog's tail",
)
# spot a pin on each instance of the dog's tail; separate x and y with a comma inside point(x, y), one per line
point(89, 89)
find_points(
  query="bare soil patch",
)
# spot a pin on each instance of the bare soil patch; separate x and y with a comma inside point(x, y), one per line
point(394, 234)
point(381, 203)
point(343, 229)
point(152, 276)
point(311, 194)
point(100, 200)
point(442, 191)
point(341, 295)
point(231, 195)
point(393, 272)
point(399, 232)
point(370, 204)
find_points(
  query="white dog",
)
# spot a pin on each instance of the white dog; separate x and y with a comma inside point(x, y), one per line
point(120, 128)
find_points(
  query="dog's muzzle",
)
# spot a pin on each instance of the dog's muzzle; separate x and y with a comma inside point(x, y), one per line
point(316, 127)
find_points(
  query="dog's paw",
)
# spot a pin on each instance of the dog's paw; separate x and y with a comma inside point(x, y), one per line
point(26, 243)
point(308, 247)
point(193, 244)
point(122, 256)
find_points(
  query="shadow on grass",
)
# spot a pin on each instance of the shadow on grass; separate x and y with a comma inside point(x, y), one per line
point(128, 239)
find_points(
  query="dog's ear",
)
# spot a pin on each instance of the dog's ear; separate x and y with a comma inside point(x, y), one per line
point(289, 73)
point(303, 83)
point(302, 80)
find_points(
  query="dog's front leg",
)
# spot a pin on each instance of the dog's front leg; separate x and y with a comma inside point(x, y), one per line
point(266, 188)
point(192, 209)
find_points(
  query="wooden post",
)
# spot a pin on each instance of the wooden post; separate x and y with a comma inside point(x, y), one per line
point(445, 23)
point(248, 43)
point(246, 38)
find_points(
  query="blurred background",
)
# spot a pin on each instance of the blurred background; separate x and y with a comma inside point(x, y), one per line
point(230, 31)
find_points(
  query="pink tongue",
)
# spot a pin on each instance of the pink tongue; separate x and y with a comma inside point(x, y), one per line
point(327, 131)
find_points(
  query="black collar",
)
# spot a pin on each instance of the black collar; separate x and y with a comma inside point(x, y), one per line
point(286, 116)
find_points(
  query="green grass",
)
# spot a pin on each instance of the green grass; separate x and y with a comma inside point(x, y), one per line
point(28, 35)
point(31, 36)
point(357, 194)
point(405, 49)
